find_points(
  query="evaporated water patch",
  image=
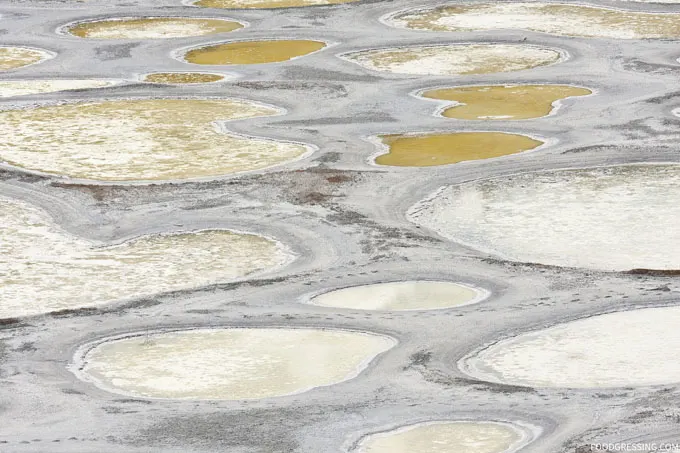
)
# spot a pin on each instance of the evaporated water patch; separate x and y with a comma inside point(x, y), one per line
point(455, 59)
point(152, 139)
point(398, 296)
point(502, 102)
point(43, 268)
point(554, 18)
point(607, 218)
point(152, 28)
point(181, 78)
point(18, 57)
point(447, 437)
point(266, 4)
point(252, 52)
point(624, 349)
point(10, 88)
point(230, 363)
point(430, 150)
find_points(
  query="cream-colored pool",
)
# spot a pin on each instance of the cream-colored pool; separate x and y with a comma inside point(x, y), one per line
point(554, 18)
point(150, 139)
point(446, 437)
point(45, 268)
point(455, 59)
point(152, 28)
point(230, 364)
point(10, 88)
point(18, 57)
point(624, 349)
point(607, 218)
point(398, 296)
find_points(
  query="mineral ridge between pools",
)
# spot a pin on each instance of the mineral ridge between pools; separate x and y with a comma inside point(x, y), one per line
point(605, 218)
point(623, 349)
point(503, 102)
point(398, 296)
point(230, 364)
point(446, 437)
point(430, 150)
point(152, 139)
point(152, 28)
point(554, 18)
point(455, 59)
point(18, 57)
point(252, 52)
point(10, 88)
point(46, 269)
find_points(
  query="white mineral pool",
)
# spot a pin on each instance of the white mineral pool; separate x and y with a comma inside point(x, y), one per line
point(399, 296)
point(10, 88)
point(554, 18)
point(607, 218)
point(455, 59)
point(45, 269)
point(18, 57)
point(624, 349)
point(230, 363)
point(148, 139)
point(151, 28)
point(447, 437)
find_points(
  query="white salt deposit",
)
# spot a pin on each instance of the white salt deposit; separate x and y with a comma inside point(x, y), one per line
point(613, 218)
point(10, 88)
point(230, 364)
point(43, 268)
point(624, 349)
point(455, 59)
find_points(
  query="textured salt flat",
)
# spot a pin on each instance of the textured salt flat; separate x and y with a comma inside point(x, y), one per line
point(624, 349)
point(498, 102)
point(18, 57)
point(9, 88)
point(152, 28)
point(614, 218)
point(46, 269)
point(139, 139)
point(397, 296)
point(232, 364)
point(256, 4)
point(553, 18)
point(446, 437)
point(455, 59)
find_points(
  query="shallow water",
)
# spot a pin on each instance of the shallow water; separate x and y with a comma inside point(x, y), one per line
point(445, 437)
point(625, 349)
point(443, 149)
point(503, 102)
point(455, 59)
point(152, 139)
point(9, 88)
point(18, 57)
point(182, 77)
point(553, 18)
point(252, 52)
point(45, 269)
point(152, 28)
point(397, 296)
point(231, 364)
point(255, 4)
point(613, 218)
